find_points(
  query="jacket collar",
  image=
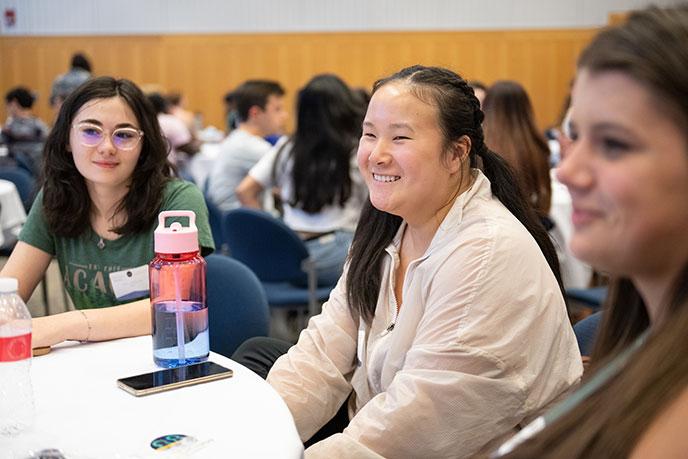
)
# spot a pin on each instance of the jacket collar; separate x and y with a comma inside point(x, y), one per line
point(480, 190)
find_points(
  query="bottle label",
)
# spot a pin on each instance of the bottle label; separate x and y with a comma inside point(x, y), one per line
point(13, 348)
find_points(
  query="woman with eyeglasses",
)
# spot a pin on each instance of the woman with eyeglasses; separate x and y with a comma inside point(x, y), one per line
point(105, 179)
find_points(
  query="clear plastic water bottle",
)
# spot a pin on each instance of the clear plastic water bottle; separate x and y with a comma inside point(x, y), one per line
point(16, 392)
point(177, 291)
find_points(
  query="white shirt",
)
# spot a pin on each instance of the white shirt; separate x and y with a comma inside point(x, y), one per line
point(239, 152)
point(330, 217)
point(574, 272)
point(482, 343)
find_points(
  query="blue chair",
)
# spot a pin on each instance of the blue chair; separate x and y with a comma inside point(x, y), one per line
point(25, 163)
point(237, 306)
point(277, 255)
point(26, 186)
point(215, 220)
point(586, 332)
point(590, 297)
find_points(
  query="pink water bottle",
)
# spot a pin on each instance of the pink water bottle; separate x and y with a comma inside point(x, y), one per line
point(177, 293)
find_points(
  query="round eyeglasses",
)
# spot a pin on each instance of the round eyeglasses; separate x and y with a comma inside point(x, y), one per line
point(91, 135)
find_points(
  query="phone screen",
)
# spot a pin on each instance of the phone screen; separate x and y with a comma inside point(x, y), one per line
point(171, 378)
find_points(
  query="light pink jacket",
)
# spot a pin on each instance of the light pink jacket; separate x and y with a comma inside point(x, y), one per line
point(481, 344)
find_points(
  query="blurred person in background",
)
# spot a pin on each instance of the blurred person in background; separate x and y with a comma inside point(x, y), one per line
point(65, 84)
point(181, 143)
point(511, 131)
point(259, 107)
point(479, 89)
point(23, 133)
point(176, 105)
point(320, 188)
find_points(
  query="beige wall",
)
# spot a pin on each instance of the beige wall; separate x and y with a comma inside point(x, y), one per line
point(204, 67)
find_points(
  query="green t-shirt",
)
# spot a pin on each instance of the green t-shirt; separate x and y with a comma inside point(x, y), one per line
point(86, 267)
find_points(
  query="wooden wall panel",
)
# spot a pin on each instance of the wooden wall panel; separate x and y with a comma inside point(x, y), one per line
point(205, 67)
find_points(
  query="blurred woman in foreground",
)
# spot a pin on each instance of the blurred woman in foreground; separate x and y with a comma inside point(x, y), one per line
point(627, 171)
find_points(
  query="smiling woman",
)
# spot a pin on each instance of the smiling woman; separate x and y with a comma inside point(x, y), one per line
point(628, 160)
point(627, 171)
point(399, 161)
point(106, 160)
point(450, 308)
point(106, 178)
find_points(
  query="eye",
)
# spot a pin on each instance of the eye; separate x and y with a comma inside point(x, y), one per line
point(91, 131)
point(402, 137)
point(369, 135)
point(125, 134)
point(612, 146)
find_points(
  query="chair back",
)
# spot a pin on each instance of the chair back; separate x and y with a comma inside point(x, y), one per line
point(24, 162)
point(237, 306)
point(265, 244)
point(215, 220)
point(23, 181)
point(586, 332)
point(592, 297)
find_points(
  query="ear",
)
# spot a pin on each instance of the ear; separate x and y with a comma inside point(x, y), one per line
point(254, 111)
point(460, 149)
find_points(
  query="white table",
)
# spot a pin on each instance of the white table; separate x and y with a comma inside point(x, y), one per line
point(81, 411)
point(12, 214)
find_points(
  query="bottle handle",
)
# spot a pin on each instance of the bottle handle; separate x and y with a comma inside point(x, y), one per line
point(177, 213)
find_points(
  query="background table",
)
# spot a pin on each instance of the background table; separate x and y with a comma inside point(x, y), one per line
point(12, 214)
point(81, 411)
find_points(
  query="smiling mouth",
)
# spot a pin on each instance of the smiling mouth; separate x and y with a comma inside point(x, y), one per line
point(385, 178)
point(103, 164)
point(582, 217)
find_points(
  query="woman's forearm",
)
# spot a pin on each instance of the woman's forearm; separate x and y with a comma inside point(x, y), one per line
point(131, 319)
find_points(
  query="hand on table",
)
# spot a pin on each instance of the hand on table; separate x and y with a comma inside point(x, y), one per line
point(51, 330)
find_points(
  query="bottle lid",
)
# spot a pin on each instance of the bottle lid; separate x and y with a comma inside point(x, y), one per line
point(8, 285)
point(176, 238)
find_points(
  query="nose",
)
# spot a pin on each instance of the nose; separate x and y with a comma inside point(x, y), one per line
point(575, 169)
point(378, 153)
point(107, 147)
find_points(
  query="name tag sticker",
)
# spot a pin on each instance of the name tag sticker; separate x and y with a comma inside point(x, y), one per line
point(130, 283)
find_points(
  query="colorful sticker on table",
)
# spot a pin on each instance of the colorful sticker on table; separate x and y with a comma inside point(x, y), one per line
point(49, 453)
point(170, 441)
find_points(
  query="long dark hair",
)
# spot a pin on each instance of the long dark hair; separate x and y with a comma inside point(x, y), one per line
point(66, 202)
point(510, 130)
point(328, 127)
point(650, 48)
point(459, 115)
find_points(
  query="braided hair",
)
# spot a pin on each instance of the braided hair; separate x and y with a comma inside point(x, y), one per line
point(459, 115)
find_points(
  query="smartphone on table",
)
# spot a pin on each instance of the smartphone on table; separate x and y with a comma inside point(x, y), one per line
point(173, 378)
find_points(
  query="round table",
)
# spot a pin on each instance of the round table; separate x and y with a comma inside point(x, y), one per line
point(81, 411)
point(12, 214)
